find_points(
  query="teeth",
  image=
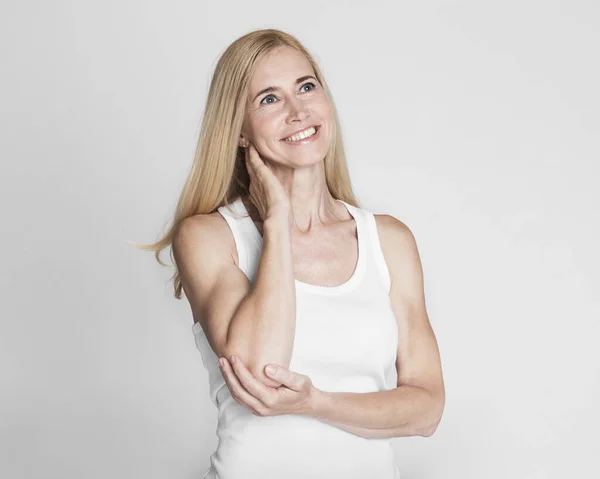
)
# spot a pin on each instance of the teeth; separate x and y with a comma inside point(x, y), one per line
point(301, 136)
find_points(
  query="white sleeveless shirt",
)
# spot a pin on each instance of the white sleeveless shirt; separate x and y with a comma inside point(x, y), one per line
point(346, 340)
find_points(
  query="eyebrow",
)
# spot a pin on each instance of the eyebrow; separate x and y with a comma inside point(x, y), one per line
point(274, 88)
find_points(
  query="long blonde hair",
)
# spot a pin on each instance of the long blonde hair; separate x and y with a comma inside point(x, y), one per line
point(218, 175)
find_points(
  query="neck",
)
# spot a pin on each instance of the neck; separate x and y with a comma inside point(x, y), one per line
point(311, 203)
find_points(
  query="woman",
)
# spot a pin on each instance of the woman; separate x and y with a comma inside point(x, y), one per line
point(282, 268)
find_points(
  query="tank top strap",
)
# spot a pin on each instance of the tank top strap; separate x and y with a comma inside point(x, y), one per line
point(248, 241)
point(242, 233)
point(371, 244)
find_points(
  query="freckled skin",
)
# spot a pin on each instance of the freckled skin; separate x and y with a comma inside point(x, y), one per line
point(275, 115)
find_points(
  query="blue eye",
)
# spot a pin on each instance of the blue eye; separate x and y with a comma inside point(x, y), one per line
point(309, 83)
point(269, 96)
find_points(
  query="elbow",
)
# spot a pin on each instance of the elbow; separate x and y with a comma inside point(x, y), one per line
point(254, 363)
point(257, 369)
point(428, 432)
point(435, 416)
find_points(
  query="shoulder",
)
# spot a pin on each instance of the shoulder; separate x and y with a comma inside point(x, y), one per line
point(398, 244)
point(392, 230)
point(205, 226)
point(209, 231)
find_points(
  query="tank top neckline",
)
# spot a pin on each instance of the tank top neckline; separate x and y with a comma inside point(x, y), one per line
point(359, 268)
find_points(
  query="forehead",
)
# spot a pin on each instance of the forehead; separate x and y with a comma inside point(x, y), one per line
point(279, 67)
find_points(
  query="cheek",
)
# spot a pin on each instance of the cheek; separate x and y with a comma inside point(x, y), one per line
point(325, 109)
point(263, 123)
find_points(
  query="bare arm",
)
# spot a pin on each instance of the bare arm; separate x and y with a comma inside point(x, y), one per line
point(415, 406)
point(262, 330)
point(256, 322)
point(400, 412)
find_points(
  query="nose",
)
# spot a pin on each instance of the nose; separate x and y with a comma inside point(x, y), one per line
point(297, 111)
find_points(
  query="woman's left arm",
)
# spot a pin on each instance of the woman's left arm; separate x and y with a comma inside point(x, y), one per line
point(415, 406)
point(400, 412)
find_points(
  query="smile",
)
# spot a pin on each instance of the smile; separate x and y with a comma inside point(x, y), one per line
point(304, 136)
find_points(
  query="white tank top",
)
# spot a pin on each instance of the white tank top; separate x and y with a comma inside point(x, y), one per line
point(346, 340)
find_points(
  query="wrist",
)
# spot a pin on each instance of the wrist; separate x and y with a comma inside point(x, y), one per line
point(318, 403)
point(277, 222)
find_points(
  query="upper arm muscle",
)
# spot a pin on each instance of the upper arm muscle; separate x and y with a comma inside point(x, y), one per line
point(214, 285)
point(418, 360)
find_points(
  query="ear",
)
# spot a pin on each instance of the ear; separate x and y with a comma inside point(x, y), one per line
point(243, 142)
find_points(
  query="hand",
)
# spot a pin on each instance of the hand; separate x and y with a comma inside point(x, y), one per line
point(297, 395)
point(266, 191)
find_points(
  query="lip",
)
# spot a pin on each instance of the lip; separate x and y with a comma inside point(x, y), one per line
point(310, 139)
point(318, 127)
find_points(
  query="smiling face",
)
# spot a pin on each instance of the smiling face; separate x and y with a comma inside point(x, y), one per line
point(296, 101)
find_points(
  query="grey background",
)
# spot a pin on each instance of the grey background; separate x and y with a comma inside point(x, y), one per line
point(474, 122)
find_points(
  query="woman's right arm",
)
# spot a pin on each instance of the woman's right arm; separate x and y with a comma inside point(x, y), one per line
point(255, 322)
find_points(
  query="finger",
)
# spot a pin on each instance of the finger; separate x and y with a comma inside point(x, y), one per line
point(248, 151)
point(238, 392)
point(241, 394)
point(250, 165)
point(251, 384)
point(247, 159)
point(288, 378)
point(254, 159)
point(234, 387)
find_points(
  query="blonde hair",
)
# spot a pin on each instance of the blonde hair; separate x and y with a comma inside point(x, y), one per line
point(218, 175)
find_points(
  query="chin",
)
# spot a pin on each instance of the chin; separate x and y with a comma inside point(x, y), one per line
point(307, 159)
point(304, 156)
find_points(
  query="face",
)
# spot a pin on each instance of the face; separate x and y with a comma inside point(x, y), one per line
point(297, 101)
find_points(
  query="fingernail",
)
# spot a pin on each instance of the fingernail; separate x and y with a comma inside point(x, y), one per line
point(271, 370)
point(222, 362)
point(232, 359)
